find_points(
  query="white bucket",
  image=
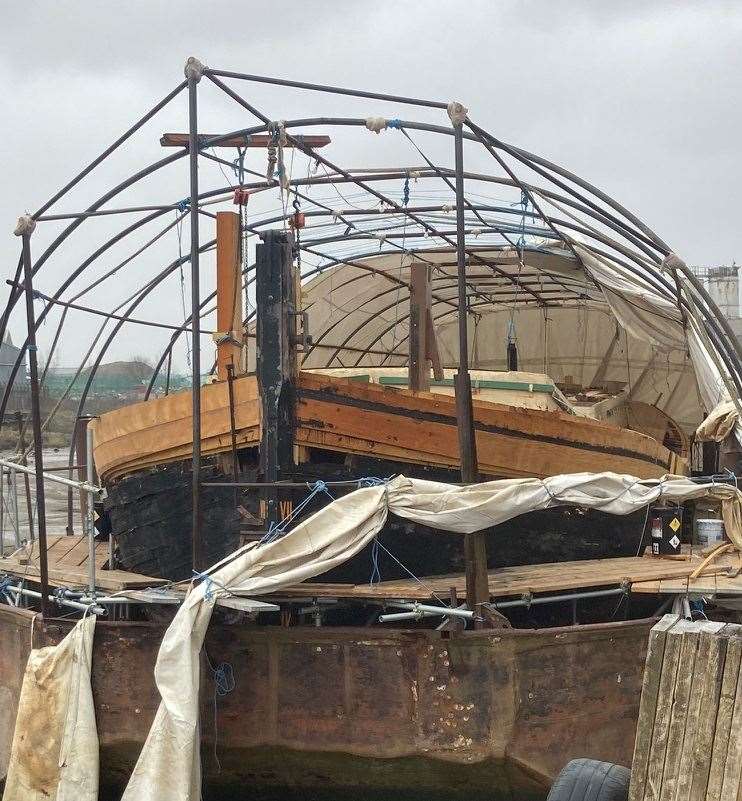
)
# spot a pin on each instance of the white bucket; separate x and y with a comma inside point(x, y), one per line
point(709, 532)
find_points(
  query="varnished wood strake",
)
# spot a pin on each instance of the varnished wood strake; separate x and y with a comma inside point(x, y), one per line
point(387, 422)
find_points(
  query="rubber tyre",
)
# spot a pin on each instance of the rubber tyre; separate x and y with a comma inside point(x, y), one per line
point(591, 780)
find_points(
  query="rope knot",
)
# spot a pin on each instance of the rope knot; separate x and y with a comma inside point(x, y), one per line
point(376, 124)
point(193, 69)
point(25, 225)
point(457, 112)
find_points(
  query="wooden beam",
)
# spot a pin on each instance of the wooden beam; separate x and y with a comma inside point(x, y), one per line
point(432, 353)
point(228, 293)
point(256, 140)
point(423, 345)
point(419, 371)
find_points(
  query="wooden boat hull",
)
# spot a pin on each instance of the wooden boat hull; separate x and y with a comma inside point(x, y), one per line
point(383, 422)
point(317, 711)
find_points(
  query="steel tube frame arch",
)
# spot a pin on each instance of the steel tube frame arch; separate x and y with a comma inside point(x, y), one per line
point(311, 152)
point(104, 348)
point(214, 140)
point(84, 173)
point(448, 278)
point(529, 159)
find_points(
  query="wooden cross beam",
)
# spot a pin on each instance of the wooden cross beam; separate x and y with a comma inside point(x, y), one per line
point(244, 140)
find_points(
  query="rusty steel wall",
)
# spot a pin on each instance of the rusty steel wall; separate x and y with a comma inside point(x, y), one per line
point(484, 704)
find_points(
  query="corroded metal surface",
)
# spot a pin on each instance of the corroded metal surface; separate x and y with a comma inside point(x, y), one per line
point(313, 706)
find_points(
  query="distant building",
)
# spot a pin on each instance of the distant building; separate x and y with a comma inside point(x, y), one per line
point(722, 284)
point(8, 357)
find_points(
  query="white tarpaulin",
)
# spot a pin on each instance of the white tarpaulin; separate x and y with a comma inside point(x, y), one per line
point(622, 330)
point(656, 320)
point(169, 768)
point(719, 424)
point(54, 755)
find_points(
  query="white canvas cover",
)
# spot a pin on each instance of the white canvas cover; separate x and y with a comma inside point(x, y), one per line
point(169, 768)
point(54, 754)
point(360, 318)
point(654, 319)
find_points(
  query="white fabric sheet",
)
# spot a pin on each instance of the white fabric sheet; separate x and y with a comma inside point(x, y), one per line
point(168, 768)
point(54, 755)
point(652, 318)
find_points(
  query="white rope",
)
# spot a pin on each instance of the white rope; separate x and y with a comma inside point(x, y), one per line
point(457, 112)
point(376, 124)
point(25, 225)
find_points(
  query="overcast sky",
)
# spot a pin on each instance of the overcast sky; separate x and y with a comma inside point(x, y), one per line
point(640, 98)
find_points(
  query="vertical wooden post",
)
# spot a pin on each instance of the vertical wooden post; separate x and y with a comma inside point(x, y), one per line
point(422, 339)
point(275, 297)
point(228, 293)
point(418, 369)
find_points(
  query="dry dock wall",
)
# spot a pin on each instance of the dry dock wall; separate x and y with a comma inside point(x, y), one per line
point(514, 701)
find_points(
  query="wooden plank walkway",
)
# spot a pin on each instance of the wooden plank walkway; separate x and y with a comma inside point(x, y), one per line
point(689, 735)
point(521, 580)
point(706, 584)
point(68, 565)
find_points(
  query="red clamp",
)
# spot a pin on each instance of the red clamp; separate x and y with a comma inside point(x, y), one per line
point(241, 196)
point(297, 220)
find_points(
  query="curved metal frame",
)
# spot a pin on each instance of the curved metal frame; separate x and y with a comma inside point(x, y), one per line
point(631, 244)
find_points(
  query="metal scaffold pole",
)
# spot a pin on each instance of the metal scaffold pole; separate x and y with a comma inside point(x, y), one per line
point(24, 229)
point(193, 72)
point(477, 591)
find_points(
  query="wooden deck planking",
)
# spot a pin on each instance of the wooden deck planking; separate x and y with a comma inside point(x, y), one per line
point(707, 584)
point(520, 580)
point(68, 565)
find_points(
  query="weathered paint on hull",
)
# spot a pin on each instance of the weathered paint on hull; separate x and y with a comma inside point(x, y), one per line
point(493, 714)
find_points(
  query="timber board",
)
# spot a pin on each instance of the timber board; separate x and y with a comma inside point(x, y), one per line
point(516, 581)
point(67, 558)
point(376, 420)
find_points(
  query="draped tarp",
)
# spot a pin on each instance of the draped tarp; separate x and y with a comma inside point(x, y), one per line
point(719, 424)
point(169, 768)
point(360, 317)
point(54, 755)
point(655, 319)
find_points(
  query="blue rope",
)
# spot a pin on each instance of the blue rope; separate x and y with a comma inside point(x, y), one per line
point(406, 191)
point(375, 571)
point(210, 584)
point(371, 481)
point(277, 530)
point(394, 123)
point(184, 205)
point(224, 681)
